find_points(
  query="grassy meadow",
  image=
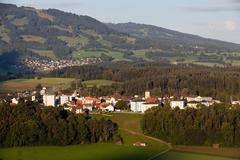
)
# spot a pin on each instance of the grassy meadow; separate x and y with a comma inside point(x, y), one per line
point(189, 156)
point(129, 128)
point(29, 84)
point(78, 152)
point(98, 83)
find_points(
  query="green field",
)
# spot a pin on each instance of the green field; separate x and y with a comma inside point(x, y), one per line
point(44, 53)
point(33, 38)
point(189, 156)
point(98, 83)
point(20, 21)
point(29, 84)
point(79, 152)
point(129, 129)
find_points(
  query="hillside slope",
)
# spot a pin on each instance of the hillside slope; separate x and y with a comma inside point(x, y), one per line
point(54, 34)
point(173, 39)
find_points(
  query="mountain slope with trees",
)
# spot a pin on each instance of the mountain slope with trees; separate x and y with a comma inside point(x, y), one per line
point(56, 34)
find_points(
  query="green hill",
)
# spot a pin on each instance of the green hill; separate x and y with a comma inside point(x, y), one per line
point(56, 34)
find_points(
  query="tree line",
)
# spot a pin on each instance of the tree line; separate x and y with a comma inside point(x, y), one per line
point(28, 124)
point(218, 124)
point(161, 78)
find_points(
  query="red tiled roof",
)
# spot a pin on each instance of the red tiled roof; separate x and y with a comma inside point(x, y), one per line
point(152, 100)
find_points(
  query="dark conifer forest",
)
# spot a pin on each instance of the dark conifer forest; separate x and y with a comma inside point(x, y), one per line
point(28, 124)
point(218, 124)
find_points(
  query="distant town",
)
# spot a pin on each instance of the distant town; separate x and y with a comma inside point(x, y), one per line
point(50, 65)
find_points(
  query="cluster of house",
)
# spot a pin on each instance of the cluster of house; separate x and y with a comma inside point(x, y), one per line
point(78, 104)
point(75, 103)
point(50, 65)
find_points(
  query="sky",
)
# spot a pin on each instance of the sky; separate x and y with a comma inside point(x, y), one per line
point(218, 19)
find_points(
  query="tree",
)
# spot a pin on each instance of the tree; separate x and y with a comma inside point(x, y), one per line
point(122, 105)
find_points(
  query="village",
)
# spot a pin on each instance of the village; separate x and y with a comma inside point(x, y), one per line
point(50, 65)
point(78, 104)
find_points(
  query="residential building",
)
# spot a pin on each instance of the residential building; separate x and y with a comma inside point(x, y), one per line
point(49, 100)
point(180, 104)
point(147, 94)
point(64, 99)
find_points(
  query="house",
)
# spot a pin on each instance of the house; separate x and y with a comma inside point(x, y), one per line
point(43, 91)
point(139, 144)
point(109, 100)
point(180, 104)
point(49, 100)
point(108, 108)
point(34, 98)
point(199, 99)
point(193, 104)
point(76, 110)
point(64, 99)
point(15, 101)
point(147, 94)
point(89, 103)
point(235, 102)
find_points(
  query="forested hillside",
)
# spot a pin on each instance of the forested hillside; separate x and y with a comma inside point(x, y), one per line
point(160, 78)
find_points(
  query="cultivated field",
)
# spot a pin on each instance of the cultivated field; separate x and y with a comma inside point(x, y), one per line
point(29, 84)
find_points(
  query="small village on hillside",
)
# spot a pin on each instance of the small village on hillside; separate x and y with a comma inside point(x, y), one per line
point(78, 104)
point(50, 65)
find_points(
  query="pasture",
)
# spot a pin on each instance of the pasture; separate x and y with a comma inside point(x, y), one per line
point(129, 129)
point(29, 84)
point(98, 83)
point(78, 152)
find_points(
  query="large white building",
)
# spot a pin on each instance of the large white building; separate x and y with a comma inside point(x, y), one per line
point(64, 99)
point(180, 104)
point(49, 100)
point(199, 99)
point(141, 106)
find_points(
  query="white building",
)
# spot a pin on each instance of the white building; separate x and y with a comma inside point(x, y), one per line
point(199, 99)
point(15, 101)
point(33, 98)
point(49, 100)
point(141, 106)
point(43, 91)
point(180, 104)
point(147, 94)
point(235, 102)
point(136, 106)
point(109, 108)
point(64, 99)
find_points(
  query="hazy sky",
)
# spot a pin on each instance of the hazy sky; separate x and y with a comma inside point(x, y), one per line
point(219, 19)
